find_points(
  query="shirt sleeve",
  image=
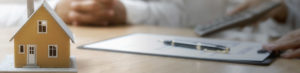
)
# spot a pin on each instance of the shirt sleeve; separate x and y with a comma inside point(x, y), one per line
point(14, 14)
point(52, 3)
point(293, 13)
point(154, 12)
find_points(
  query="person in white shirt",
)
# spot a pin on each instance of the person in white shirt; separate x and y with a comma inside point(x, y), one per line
point(170, 13)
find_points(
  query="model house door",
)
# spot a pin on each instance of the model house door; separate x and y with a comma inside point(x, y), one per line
point(31, 54)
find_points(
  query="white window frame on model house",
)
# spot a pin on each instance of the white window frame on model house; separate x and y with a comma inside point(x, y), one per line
point(42, 26)
point(51, 51)
point(23, 47)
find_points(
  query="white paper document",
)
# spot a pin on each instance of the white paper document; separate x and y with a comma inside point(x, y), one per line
point(152, 44)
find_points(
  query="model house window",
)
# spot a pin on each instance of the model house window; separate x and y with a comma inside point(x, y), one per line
point(31, 50)
point(21, 49)
point(42, 26)
point(52, 51)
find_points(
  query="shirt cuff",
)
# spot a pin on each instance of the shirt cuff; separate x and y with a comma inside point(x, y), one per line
point(137, 11)
point(52, 3)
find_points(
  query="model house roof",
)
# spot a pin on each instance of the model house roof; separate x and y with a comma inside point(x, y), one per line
point(60, 22)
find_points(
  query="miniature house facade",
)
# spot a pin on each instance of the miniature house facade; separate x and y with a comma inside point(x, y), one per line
point(43, 41)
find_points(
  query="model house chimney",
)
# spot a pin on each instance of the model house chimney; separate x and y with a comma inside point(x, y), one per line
point(30, 7)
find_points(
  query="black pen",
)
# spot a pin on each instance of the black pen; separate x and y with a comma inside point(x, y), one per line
point(198, 46)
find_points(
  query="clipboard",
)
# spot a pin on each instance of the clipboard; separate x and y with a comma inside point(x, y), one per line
point(140, 43)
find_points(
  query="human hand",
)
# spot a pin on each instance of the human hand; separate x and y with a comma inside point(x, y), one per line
point(96, 12)
point(91, 12)
point(289, 42)
point(279, 14)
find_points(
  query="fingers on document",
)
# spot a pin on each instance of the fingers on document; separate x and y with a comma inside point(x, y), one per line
point(291, 54)
point(283, 45)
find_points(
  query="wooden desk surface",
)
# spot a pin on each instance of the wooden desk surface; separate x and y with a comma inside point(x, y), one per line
point(91, 61)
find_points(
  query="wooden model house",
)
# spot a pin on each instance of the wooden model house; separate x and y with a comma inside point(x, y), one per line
point(43, 40)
